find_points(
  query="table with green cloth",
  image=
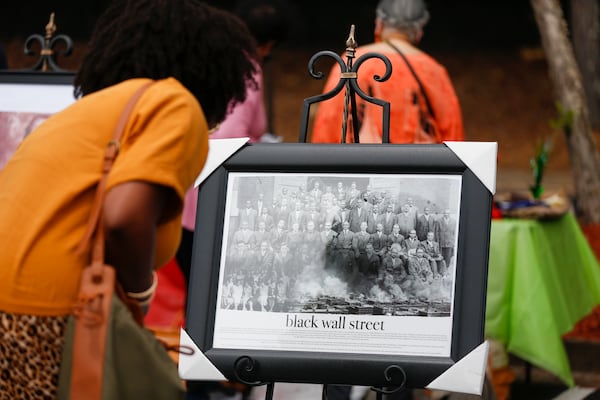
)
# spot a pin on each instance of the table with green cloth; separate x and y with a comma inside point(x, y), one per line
point(543, 278)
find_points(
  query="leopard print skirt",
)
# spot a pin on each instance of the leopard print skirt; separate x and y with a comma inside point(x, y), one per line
point(30, 353)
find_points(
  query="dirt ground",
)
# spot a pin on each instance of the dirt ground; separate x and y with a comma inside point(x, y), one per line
point(505, 97)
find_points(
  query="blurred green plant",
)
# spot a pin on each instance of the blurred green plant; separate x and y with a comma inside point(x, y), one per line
point(564, 122)
point(538, 165)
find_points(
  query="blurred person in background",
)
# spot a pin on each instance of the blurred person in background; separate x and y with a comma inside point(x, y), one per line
point(424, 107)
point(267, 22)
point(423, 104)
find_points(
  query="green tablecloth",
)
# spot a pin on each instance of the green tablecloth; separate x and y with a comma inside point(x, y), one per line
point(543, 278)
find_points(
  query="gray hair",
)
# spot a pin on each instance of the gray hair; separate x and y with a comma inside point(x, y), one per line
point(403, 14)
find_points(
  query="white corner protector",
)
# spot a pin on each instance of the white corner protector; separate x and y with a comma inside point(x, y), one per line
point(480, 157)
point(467, 375)
point(196, 366)
point(219, 150)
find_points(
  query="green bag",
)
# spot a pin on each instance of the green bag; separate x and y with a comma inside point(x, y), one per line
point(136, 364)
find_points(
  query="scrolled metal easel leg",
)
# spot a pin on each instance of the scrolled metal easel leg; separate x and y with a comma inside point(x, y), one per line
point(324, 394)
point(270, 390)
point(244, 369)
point(396, 376)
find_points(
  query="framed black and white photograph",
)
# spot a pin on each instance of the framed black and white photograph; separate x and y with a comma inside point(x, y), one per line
point(340, 263)
point(26, 100)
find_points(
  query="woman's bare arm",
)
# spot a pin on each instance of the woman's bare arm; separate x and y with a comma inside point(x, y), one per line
point(131, 213)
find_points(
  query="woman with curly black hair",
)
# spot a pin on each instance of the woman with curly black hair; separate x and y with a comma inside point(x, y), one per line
point(201, 60)
point(204, 48)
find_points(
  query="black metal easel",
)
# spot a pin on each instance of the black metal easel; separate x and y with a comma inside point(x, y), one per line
point(246, 367)
point(47, 61)
point(349, 74)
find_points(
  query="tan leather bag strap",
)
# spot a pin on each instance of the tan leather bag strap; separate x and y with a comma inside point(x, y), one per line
point(111, 152)
point(92, 311)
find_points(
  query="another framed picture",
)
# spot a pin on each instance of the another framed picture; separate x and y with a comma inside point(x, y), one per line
point(342, 264)
point(26, 100)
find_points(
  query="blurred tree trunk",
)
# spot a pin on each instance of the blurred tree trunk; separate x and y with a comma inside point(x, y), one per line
point(566, 78)
point(585, 33)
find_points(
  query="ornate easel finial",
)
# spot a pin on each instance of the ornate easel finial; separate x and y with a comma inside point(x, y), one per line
point(351, 42)
point(47, 54)
point(50, 27)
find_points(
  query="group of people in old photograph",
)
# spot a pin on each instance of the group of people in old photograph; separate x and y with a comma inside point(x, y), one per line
point(341, 241)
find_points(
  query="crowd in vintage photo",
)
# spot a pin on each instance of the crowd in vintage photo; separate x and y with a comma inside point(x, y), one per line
point(341, 240)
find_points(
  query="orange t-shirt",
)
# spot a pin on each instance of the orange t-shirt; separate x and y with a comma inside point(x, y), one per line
point(400, 91)
point(47, 187)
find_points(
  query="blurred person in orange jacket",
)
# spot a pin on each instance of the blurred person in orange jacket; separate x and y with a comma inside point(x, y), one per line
point(398, 29)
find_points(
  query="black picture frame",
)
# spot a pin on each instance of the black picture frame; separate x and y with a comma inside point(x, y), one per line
point(37, 77)
point(341, 367)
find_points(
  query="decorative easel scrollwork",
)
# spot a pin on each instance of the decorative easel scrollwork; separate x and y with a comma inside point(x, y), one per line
point(391, 374)
point(47, 61)
point(348, 79)
point(244, 368)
